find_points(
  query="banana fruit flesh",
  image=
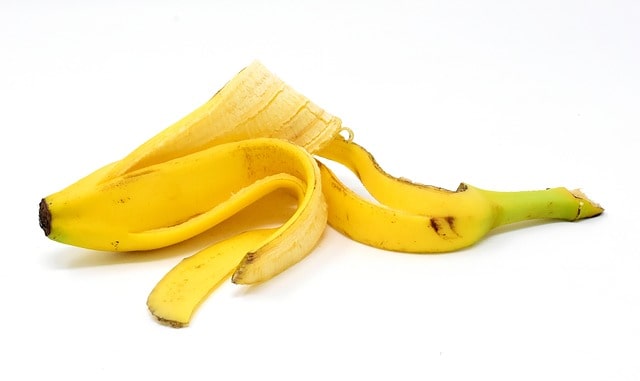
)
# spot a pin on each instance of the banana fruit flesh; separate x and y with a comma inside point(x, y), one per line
point(255, 103)
point(247, 150)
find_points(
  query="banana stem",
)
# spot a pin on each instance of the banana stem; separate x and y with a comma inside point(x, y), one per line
point(553, 203)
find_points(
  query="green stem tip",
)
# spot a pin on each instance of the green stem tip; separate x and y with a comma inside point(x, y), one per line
point(553, 203)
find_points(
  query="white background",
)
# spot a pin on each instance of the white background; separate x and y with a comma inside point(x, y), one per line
point(503, 95)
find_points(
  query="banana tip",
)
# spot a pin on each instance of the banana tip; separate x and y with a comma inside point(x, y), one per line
point(588, 208)
point(44, 217)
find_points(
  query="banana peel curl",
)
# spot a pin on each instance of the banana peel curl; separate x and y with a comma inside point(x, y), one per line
point(258, 139)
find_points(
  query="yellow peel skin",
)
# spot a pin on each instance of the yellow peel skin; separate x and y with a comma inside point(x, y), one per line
point(177, 295)
point(167, 203)
point(426, 219)
point(399, 230)
point(236, 156)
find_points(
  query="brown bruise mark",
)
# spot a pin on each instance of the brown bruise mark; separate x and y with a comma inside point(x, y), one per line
point(44, 217)
point(450, 220)
point(438, 226)
point(434, 225)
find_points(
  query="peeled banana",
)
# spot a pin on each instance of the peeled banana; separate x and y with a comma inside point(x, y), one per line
point(256, 138)
point(255, 103)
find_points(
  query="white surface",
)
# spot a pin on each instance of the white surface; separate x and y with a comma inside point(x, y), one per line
point(503, 95)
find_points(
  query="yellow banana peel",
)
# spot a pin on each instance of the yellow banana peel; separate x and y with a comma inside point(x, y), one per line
point(256, 138)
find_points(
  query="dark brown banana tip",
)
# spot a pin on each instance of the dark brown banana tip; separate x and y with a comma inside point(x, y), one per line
point(45, 217)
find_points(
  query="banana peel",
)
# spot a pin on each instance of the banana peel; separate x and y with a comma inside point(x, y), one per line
point(255, 138)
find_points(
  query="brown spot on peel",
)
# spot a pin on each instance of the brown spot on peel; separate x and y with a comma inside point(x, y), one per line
point(439, 227)
point(450, 220)
point(434, 225)
point(44, 216)
point(249, 258)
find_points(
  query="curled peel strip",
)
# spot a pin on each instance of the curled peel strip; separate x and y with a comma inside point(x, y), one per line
point(252, 139)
